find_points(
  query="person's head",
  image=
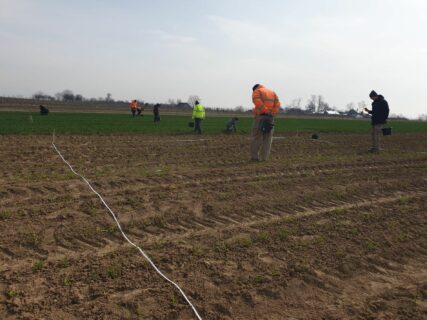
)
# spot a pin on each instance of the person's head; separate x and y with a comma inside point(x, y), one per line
point(373, 95)
point(236, 119)
point(255, 87)
point(196, 102)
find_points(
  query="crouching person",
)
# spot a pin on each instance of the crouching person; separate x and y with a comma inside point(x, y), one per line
point(231, 126)
point(43, 110)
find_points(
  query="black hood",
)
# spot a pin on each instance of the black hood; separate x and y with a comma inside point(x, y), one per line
point(380, 97)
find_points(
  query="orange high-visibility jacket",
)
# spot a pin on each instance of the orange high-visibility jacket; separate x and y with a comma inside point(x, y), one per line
point(265, 101)
point(134, 104)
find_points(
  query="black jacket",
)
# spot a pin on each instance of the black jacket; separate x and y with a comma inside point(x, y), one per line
point(379, 111)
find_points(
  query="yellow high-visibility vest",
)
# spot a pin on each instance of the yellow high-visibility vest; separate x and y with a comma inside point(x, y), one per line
point(198, 112)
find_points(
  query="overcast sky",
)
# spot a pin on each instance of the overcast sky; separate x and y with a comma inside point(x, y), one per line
point(218, 49)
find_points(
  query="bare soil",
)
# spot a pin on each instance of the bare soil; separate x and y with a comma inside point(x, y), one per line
point(323, 230)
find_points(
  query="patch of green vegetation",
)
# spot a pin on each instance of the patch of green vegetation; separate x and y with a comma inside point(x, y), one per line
point(174, 299)
point(158, 221)
point(263, 237)
point(65, 263)
point(95, 123)
point(284, 234)
point(259, 279)
point(93, 212)
point(114, 271)
point(244, 241)
point(340, 195)
point(67, 281)
point(4, 215)
point(127, 314)
point(30, 238)
point(371, 246)
point(11, 294)
point(221, 247)
point(404, 199)
point(404, 237)
point(339, 210)
point(369, 217)
point(112, 229)
point(38, 265)
point(275, 274)
point(355, 231)
point(199, 251)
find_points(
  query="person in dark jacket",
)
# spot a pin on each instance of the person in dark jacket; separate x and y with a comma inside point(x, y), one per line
point(43, 110)
point(379, 113)
point(231, 126)
point(156, 112)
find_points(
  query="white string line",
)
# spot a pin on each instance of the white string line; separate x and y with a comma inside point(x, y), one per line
point(121, 230)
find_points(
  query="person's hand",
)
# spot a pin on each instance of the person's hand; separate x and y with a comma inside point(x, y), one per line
point(366, 109)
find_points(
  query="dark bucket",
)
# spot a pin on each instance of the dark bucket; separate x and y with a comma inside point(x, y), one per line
point(386, 131)
point(191, 124)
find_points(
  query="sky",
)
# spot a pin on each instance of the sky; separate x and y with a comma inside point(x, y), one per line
point(159, 50)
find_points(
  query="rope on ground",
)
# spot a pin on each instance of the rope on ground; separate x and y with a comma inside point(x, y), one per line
point(121, 230)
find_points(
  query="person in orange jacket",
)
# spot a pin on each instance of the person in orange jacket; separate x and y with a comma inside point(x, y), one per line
point(266, 107)
point(133, 107)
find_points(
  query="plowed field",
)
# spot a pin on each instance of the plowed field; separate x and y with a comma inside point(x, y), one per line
point(324, 230)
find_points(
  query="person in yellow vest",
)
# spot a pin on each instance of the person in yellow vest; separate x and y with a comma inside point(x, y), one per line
point(266, 107)
point(198, 116)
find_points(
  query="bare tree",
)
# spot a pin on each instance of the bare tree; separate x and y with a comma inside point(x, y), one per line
point(350, 106)
point(311, 104)
point(67, 95)
point(109, 98)
point(322, 105)
point(361, 105)
point(239, 109)
point(171, 102)
point(295, 104)
point(192, 100)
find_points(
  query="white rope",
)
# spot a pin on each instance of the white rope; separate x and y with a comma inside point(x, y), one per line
point(121, 230)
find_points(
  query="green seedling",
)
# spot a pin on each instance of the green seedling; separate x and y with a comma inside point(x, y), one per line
point(67, 281)
point(93, 212)
point(260, 279)
point(114, 272)
point(37, 265)
point(284, 234)
point(244, 241)
point(4, 215)
point(65, 263)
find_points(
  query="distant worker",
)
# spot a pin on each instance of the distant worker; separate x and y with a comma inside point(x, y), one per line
point(139, 110)
point(156, 113)
point(43, 110)
point(231, 126)
point(266, 107)
point(133, 107)
point(379, 112)
point(198, 116)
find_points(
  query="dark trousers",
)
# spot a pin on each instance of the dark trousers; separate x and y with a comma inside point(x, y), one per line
point(156, 118)
point(133, 112)
point(197, 127)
